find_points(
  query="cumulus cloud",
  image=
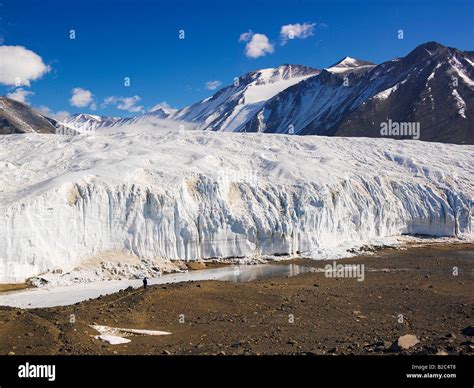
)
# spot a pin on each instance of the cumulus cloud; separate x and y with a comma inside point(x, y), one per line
point(296, 31)
point(20, 95)
point(19, 66)
point(213, 85)
point(82, 98)
point(60, 115)
point(128, 104)
point(258, 45)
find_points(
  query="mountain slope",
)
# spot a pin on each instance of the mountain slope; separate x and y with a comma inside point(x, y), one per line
point(320, 100)
point(16, 117)
point(232, 107)
point(91, 123)
point(417, 88)
point(434, 87)
point(431, 89)
point(227, 110)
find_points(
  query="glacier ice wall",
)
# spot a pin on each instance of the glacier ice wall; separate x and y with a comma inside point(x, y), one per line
point(196, 196)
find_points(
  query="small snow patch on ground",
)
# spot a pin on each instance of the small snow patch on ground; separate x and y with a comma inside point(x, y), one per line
point(115, 335)
point(112, 339)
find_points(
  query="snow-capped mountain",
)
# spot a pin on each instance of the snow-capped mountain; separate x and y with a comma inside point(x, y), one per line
point(231, 108)
point(350, 65)
point(432, 86)
point(161, 195)
point(227, 110)
point(319, 99)
point(90, 123)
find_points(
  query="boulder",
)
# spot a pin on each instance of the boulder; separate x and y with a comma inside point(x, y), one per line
point(405, 342)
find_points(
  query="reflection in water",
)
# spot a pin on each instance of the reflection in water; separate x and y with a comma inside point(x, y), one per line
point(66, 295)
point(250, 273)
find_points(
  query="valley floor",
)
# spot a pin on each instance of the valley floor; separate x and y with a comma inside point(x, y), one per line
point(305, 314)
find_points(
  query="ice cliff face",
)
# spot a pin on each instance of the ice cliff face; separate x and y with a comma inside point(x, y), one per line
point(192, 195)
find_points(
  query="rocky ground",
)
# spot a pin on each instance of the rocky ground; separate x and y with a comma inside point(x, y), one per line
point(405, 292)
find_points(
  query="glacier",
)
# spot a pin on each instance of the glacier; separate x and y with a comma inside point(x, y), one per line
point(158, 193)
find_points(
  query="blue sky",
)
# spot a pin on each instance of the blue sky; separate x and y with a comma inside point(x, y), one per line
point(140, 39)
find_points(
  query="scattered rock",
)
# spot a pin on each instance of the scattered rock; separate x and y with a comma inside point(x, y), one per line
point(405, 342)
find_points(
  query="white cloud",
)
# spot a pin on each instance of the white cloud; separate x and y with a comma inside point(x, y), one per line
point(82, 98)
point(124, 103)
point(245, 36)
point(60, 115)
point(19, 66)
point(258, 45)
point(213, 85)
point(20, 95)
point(296, 31)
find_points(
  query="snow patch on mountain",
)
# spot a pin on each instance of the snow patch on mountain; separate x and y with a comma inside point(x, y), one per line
point(460, 70)
point(268, 84)
point(383, 95)
point(348, 64)
point(461, 104)
point(89, 123)
point(232, 107)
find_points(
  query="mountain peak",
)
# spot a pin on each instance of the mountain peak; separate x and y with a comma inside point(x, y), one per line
point(162, 108)
point(285, 71)
point(431, 46)
point(87, 116)
point(427, 50)
point(349, 64)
